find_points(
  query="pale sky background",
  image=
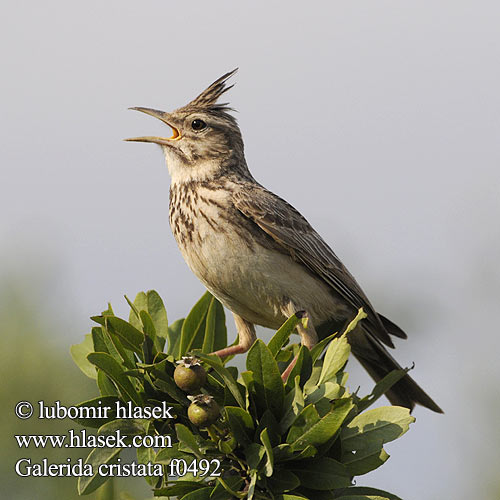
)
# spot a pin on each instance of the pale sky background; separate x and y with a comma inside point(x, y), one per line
point(378, 120)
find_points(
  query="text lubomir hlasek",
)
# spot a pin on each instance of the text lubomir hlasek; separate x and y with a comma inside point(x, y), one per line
point(120, 410)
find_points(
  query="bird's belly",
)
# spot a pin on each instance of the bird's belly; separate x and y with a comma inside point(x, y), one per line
point(258, 283)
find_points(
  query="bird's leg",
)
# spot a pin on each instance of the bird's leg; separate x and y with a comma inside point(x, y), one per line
point(246, 336)
point(308, 335)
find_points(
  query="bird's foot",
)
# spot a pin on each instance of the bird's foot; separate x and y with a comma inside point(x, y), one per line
point(289, 368)
point(231, 350)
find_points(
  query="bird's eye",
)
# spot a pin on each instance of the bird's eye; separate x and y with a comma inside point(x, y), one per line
point(198, 124)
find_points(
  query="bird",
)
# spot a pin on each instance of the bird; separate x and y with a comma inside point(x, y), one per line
point(254, 251)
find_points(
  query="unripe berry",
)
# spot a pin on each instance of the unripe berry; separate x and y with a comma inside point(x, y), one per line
point(189, 375)
point(203, 411)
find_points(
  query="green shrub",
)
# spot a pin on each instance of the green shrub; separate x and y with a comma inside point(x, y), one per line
point(307, 437)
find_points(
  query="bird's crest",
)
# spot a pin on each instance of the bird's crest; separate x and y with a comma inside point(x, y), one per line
point(207, 100)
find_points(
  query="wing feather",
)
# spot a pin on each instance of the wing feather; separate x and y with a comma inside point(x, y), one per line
point(286, 226)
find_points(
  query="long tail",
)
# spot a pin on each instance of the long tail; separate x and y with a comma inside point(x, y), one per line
point(378, 363)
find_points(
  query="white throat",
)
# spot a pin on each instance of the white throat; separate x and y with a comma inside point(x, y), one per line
point(180, 172)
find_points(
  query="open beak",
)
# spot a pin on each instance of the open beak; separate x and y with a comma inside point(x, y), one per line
point(161, 115)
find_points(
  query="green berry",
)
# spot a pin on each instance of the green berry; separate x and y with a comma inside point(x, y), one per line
point(203, 411)
point(189, 375)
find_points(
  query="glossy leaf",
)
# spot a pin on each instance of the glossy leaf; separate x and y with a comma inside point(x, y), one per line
point(321, 474)
point(174, 333)
point(186, 437)
point(201, 494)
point(283, 480)
point(280, 338)
point(268, 385)
point(79, 353)
point(97, 457)
point(381, 387)
point(193, 327)
point(264, 439)
point(362, 462)
point(215, 328)
point(232, 385)
point(241, 424)
point(365, 493)
point(179, 489)
point(335, 358)
point(302, 368)
point(109, 366)
point(373, 428)
point(310, 429)
point(95, 408)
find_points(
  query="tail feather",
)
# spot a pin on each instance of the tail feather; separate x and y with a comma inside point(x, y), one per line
point(391, 327)
point(378, 363)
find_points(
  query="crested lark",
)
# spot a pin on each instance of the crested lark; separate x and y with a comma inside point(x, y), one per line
point(255, 252)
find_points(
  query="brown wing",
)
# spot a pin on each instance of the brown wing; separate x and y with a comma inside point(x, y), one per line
point(291, 231)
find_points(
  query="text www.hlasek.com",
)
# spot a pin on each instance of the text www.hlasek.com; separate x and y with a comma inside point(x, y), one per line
point(84, 440)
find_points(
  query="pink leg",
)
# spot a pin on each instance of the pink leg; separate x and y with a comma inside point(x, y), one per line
point(246, 335)
point(308, 336)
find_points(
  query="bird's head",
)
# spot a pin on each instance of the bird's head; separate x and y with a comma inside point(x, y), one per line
point(205, 138)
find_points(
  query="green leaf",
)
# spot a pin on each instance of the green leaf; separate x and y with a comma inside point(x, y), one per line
point(306, 418)
point(98, 456)
point(115, 348)
point(362, 461)
point(201, 494)
point(335, 358)
point(193, 327)
point(139, 304)
point(186, 437)
point(268, 421)
point(371, 429)
point(302, 368)
point(328, 390)
point(106, 386)
point(178, 489)
point(106, 491)
point(293, 405)
point(123, 356)
point(365, 493)
point(148, 325)
point(321, 473)
point(354, 323)
point(108, 311)
point(241, 424)
point(251, 487)
point(215, 328)
point(280, 338)
point(254, 454)
point(95, 408)
point(158, 313)
point(231, 485)
point(268, 385)
point(174, 338)
point(290, 497)
point(264, 439)
point(165, 455)
point(79, 353)
point(381, 387)
point(283, 480)
point(109, 366)
point(145, 456)
point(131, 337)
point(309, 429)
point(98, 339)
point(232, 385)
point(320, 346)
point(127, 427)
